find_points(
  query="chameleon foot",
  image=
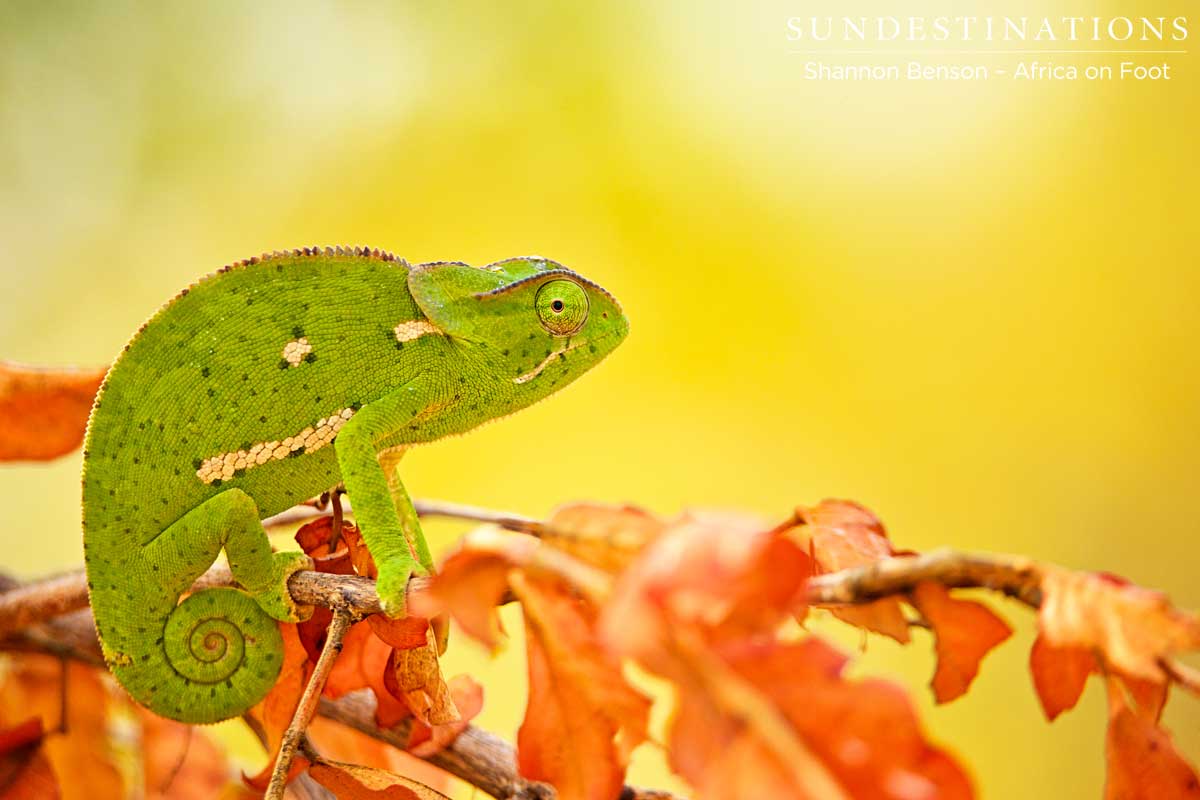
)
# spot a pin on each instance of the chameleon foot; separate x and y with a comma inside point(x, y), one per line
point(275, 599)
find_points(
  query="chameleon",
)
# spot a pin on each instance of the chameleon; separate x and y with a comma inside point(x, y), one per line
point(274, 380)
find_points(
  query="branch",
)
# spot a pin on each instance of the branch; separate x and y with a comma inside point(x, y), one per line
point(308, 704)
point(1012, 575)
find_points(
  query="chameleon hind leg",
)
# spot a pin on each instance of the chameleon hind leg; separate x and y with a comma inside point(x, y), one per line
point(228, 521)
point(218, 652)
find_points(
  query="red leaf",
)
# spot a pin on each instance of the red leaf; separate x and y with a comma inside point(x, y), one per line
point(778, 720)
point(1134, 628)
point(840, 534)
point(1059, 675)
point(582, 720)
point(965, 632)
point(275, 711)
point(43, 411)
point(607, 537)
point(352, 782)
point(467, 695)
point(1143, 763)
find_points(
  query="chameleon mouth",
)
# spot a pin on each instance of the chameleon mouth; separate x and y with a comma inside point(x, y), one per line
point(545, 362)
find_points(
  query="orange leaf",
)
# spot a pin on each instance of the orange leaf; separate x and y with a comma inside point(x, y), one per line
point(25, 772)
point(965, 632)
point(402, 634)
point(1134, 628)
point(44, 412)
point(1143, 763)
point(275, 711)
point(469, 587)
point(422, 687)
point(727, 574)
point(582, 720)
point(607, 537)
point(467, 695)
point(779, 720)
point(1059, 675)
point(178, 761)
point(83, 758)
point(352, 782)
point(840, 534)
point(339, 742)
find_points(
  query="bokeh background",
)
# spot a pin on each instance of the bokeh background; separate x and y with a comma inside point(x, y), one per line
point(970, 306)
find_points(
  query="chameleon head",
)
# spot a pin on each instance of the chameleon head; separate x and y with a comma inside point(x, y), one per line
point(535, 324)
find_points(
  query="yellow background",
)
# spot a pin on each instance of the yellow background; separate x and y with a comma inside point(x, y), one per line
point(970, 306)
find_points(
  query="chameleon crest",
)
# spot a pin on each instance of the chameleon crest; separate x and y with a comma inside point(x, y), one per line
point(272, 381)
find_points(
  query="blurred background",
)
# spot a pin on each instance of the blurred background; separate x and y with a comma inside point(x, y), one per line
point(969, 306)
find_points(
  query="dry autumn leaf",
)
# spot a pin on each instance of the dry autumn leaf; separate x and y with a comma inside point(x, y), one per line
point(275, 711)
point(840, 534)
point(583, 719)
point(1143, 763)
point(779, 720)
point(1134, 628)
point(25, 772)
point(44, 411)
point(607, 537)
point(353, 782)
point(84, 761)
point(1059, 675)
point(965, 631)
point(178, 761)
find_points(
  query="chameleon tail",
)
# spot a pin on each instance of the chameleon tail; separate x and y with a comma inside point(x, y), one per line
point(222, 655)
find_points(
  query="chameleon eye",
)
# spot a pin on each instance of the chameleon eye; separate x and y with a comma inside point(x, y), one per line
point(562, 307)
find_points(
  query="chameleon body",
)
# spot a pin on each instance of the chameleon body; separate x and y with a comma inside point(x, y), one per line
point(272, 381)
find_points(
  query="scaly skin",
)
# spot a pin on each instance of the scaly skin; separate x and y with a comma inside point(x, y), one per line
point(268, 383)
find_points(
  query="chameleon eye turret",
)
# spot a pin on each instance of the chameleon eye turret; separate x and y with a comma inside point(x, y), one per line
point(562, 307)
point(266, 384)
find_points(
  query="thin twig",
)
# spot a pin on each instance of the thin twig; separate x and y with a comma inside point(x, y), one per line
point(308, 703)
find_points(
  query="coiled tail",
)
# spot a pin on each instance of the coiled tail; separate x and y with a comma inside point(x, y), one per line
point(218, 654)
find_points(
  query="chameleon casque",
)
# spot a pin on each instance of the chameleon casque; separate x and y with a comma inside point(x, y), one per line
point(270, 382)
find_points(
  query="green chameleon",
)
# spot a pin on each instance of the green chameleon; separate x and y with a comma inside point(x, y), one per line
point(268, 383)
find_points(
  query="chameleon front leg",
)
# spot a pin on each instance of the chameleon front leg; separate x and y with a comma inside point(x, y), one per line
point(381, 505)
point(389, 461)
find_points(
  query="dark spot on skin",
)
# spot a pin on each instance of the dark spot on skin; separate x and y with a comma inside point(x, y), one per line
point(249, 301)
point(217, 482)
point(137, 460)
point(310, 357)
point(196, 463)
point(283, 363)
point(261, 419)
point(518, 372)
point(297, 332)
point(212, 392)
point(295, 453)
point(245, 377)
point(177, 470)
point(532, 335)
point(548, 353)
point(204, 372)
point(591, 348)
point(605, 315)
point(504, 352)
point(355, 406)
point(141, 427)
